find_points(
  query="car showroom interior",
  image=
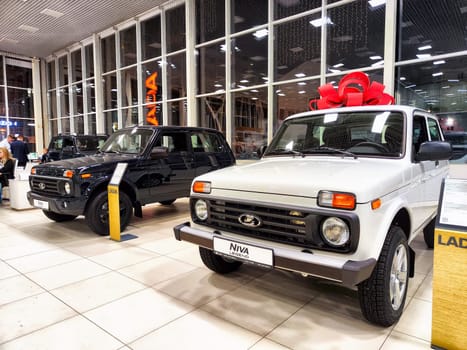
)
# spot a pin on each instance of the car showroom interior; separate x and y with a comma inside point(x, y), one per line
point(235, 174)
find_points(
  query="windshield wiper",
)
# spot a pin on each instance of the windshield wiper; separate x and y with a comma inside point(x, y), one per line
point(285, 151)
point(330, 149)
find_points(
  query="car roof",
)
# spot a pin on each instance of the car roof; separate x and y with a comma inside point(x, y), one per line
point(382, 108)
point(171, 127)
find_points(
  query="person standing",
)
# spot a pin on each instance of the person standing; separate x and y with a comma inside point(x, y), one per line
point(7, 141)
point(20, 150)
point(7, 169)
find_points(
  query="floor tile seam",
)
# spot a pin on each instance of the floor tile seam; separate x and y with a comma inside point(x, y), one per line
point(51, 266)
point(283, 321)
point(140, 289)
point(124, 266)
point(37, 330)
point(68, 284)
point(25, 255)
point(410, 335)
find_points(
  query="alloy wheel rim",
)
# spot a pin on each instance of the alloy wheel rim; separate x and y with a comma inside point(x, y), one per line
point(398, 279)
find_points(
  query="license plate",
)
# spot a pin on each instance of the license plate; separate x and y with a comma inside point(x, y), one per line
point(41, 204)
point(242, 251)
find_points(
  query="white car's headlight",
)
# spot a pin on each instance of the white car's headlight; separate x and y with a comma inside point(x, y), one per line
point(335, 231)
point(201, 209)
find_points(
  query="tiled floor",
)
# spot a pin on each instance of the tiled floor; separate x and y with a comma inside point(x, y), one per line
point(63, 287)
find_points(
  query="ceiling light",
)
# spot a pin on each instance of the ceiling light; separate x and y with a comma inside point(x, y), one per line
point(426, 47)
point(281, 94)
point(254, 90)
point(402, 78)
point(410, 86)
point(338, 65)
point(445, 87)
point(302, 92)
point(244, 81)
point(334, 70)
point(437, 74)
point(217, 85)
point(51, 13)
point(254, 98)
point(453, 80)
point(301, 83)
point(300, 75)
point(374, 58)
point(376, 3)
point(27, 28)
point(379, 63)
point(439, 62)
point(319, 22)
point(425, 55)
point(260, 33)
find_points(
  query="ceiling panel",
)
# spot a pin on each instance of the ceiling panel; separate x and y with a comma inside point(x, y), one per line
point(24, 30)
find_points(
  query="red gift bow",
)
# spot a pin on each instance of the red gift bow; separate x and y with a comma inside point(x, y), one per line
point(346, 95)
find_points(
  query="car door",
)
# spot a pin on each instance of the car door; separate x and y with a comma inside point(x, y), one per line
point(208, 151)
point(427, 175)
point(178, 166)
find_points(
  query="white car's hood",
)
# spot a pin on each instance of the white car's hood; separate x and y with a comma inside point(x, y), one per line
point(366, 178)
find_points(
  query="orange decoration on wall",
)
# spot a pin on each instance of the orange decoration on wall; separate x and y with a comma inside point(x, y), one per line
point(151, 85)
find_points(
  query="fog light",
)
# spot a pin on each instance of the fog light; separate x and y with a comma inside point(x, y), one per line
point(335, 232)
point(201, 209)
point(67, 188)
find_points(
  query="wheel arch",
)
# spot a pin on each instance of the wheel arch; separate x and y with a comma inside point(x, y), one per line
point(102, 187)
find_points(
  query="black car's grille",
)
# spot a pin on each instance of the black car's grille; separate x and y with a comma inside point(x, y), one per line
point(46, 185)
point(49, 171)
point(295, 226)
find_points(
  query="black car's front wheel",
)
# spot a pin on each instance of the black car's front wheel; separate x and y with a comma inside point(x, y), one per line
point(97, 213)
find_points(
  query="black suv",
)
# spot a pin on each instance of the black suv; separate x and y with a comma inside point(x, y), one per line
point(73, 146)
point(162, 162)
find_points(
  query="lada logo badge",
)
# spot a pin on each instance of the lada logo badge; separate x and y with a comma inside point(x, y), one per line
point(249, 220)
point(41, 185)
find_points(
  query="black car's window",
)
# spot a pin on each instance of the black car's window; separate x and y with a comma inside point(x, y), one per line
point(205, 142)
point(174, 141)
point(59, 143)
point(132, 141)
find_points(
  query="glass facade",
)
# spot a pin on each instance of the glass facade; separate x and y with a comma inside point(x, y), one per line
point(246, 65)
point(17, 99)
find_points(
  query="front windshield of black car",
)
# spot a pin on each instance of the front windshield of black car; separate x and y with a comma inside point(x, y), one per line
point(130, 141)
point(369, 133)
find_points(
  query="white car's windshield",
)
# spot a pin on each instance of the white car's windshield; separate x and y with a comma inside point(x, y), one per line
point(355, 134)
point(133, 141)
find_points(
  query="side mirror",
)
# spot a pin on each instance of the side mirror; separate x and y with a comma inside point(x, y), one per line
point(434, 150)
point(159, 152)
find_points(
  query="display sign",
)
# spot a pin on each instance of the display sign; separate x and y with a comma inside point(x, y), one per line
point(449, 318)
point(453, 208)
point(118, 174)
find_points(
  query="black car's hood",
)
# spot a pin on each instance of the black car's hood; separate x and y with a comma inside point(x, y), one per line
point(90, 162)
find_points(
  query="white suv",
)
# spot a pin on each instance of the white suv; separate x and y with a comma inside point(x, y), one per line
point(338, 194)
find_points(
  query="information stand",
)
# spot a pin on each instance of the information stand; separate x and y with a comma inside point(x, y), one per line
point(449, 320)
point(114, 204)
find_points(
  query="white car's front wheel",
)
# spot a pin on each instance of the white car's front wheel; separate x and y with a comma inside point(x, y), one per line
point(382, 296)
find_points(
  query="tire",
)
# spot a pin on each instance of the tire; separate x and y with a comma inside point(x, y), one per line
point(97, 213)
point(382, 296)
point(429, 234)
point(169, 202)
point(57, 217)
point(217, 263)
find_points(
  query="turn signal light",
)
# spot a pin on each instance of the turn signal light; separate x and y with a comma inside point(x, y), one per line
point(336, 200)
point(375, 204)
point(68, 173)
point(33, 171)
point(85, 176)
point(201, 187)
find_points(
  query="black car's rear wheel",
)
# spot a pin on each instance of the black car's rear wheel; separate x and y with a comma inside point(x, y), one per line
point(58, 217)
point(97, 213)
